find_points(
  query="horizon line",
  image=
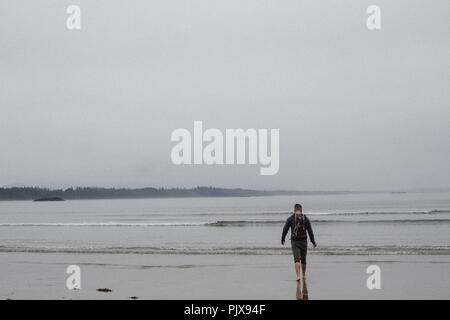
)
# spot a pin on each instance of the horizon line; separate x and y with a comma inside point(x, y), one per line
point(418, 189)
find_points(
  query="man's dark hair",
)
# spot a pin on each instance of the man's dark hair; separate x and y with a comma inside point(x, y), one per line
point(297, 207)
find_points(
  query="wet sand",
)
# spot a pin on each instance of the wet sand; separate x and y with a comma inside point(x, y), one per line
point(42, 276)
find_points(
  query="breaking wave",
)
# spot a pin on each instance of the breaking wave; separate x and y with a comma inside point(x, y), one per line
point(238, 250)
point(218, 223)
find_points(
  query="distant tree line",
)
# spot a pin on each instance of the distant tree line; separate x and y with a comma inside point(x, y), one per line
point(31, 193)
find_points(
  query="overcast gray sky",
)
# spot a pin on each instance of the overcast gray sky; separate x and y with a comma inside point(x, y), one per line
point(356, 109)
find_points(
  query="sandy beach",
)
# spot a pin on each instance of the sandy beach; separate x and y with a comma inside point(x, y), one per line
point(42, 276)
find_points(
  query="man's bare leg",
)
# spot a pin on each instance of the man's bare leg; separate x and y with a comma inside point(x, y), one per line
point(297, 270)
point(304, 270)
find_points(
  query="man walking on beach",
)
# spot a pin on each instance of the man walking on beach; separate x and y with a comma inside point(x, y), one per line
point(299, 225)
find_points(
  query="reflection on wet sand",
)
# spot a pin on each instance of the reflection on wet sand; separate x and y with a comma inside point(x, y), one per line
point(302, 291)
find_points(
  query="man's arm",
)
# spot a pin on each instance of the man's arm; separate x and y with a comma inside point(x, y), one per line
point(285, 229)
point(311, 233)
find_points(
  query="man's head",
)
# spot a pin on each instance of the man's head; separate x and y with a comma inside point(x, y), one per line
point(298, 208)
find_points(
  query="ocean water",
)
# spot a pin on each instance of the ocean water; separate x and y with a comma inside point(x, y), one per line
point(355, 224)
point(225, 248)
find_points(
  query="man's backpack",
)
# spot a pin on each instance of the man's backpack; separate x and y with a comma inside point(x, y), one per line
point(299, 227)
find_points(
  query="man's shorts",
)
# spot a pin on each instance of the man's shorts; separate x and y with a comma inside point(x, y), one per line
point(299, 249)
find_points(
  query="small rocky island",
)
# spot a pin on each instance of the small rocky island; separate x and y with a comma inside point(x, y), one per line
point(49, 198)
